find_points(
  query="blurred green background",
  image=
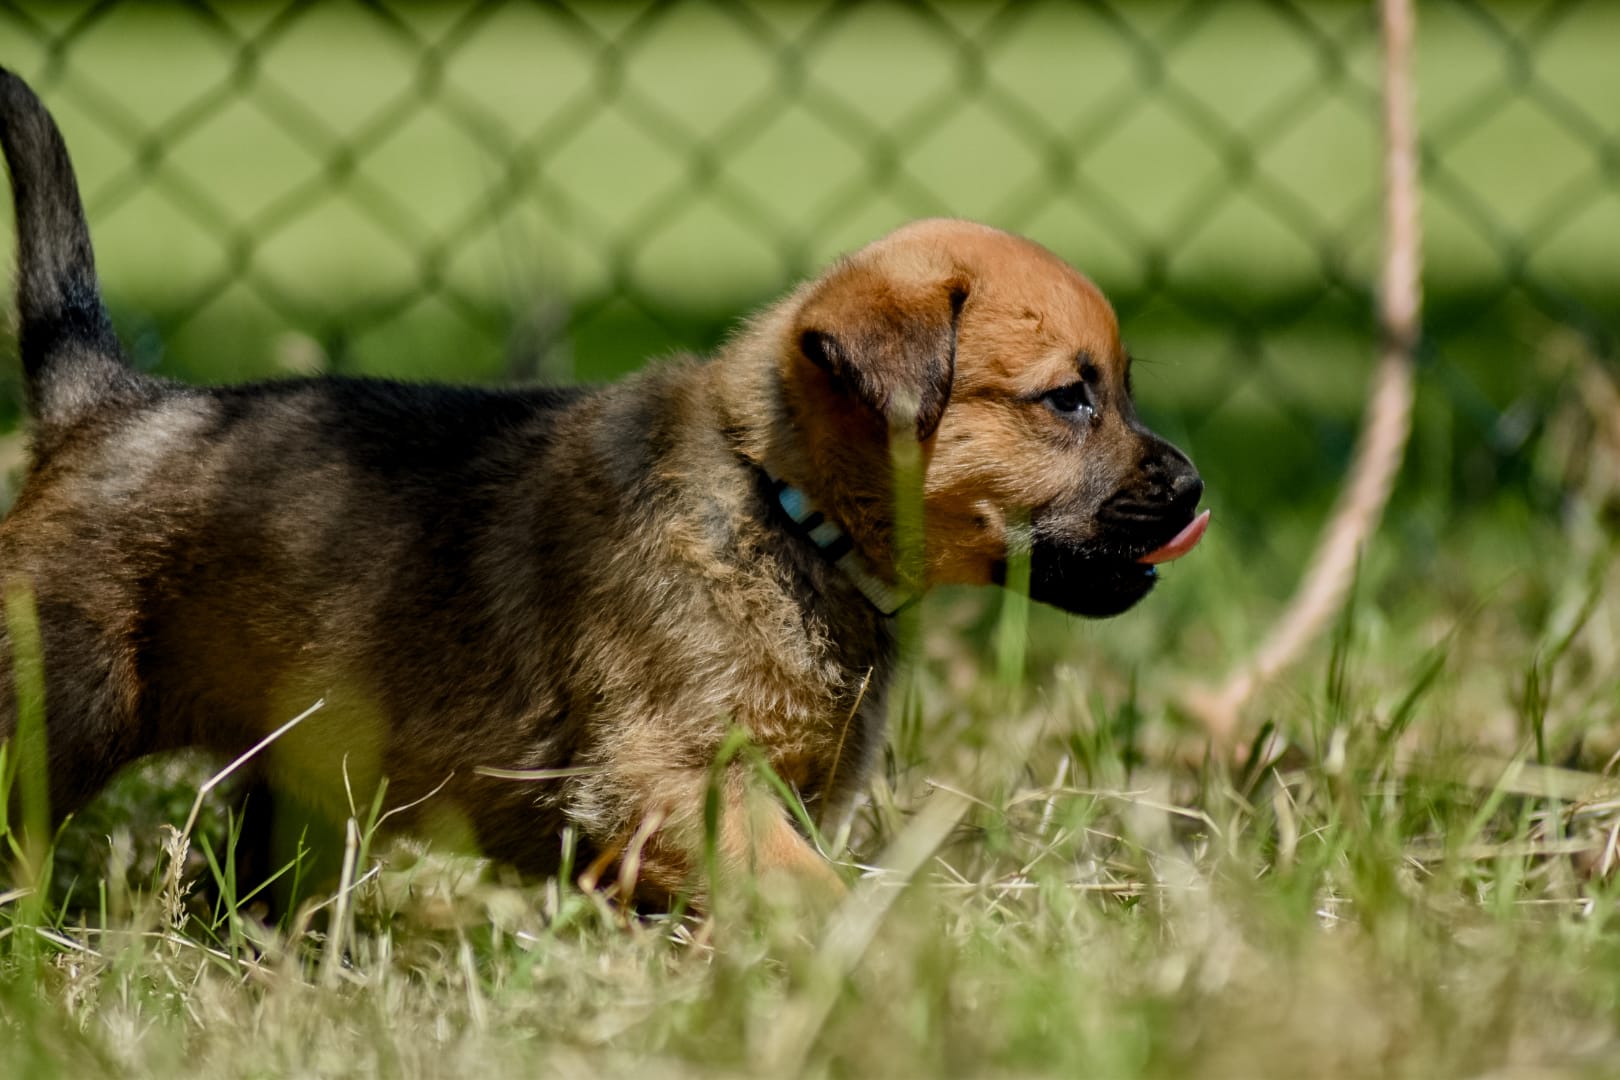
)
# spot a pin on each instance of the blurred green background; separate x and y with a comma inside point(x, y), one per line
point(526, 190)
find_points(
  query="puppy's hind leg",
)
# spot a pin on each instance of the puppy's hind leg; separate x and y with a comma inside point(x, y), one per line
point(90, 721)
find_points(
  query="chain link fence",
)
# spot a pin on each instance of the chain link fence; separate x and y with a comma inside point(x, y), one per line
point(554, 190)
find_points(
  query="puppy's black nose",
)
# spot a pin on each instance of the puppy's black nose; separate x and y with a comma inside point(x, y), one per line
point(1171, 478)
point(1186, 487)
point(1164, 491)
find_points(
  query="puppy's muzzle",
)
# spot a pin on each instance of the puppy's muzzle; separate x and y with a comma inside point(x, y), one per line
point(1151, 518)
point(1164, 497)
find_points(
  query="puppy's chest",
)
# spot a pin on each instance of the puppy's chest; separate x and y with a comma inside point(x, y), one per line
point(815, 706)
point(753, 628)
point(829, 752)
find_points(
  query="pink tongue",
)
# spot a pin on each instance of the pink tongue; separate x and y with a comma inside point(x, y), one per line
point(1181, 543)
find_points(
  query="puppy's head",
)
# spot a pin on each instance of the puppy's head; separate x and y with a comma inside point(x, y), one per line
point(1005, 364)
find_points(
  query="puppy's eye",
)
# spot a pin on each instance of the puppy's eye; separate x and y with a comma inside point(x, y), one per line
point(1071, 400)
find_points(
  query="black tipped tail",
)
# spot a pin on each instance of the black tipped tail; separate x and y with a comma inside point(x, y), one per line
point(70, 354)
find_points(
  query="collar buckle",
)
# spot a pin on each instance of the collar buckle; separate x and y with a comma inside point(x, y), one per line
point(837, 548)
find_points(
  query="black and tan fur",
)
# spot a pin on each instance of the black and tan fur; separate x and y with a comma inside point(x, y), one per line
point(589, 580)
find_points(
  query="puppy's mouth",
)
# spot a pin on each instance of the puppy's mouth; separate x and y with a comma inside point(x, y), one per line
point(1098, 580)
point(1179, 544)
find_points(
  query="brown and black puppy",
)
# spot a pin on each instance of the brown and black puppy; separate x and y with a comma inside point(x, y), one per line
point(600, 582)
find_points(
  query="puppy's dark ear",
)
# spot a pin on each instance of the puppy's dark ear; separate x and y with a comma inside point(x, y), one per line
point(890, 345)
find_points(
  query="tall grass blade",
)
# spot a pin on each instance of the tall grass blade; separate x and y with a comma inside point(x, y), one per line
point(25, 765)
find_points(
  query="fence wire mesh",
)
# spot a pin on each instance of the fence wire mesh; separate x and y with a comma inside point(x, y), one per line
point(552, 189)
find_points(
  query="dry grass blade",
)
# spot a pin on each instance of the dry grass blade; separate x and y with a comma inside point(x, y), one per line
point(336, 940)
point(257, 748)
point(179, 842)
point(852, 928)
point(1517, 777)
point(1528, 849)
point(65, 942)
point(532, 774)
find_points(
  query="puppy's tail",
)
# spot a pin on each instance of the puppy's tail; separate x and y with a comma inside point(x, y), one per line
point(71, 357)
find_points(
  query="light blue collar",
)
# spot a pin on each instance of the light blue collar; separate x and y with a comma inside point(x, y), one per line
point(836, 547)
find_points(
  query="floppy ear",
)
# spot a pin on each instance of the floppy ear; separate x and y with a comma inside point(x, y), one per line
point(889, 344)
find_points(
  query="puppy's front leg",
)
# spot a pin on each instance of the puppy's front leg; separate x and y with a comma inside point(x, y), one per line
point(758, 839)
point(662, 854)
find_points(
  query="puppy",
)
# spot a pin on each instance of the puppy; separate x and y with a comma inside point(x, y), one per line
point(593, 584)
